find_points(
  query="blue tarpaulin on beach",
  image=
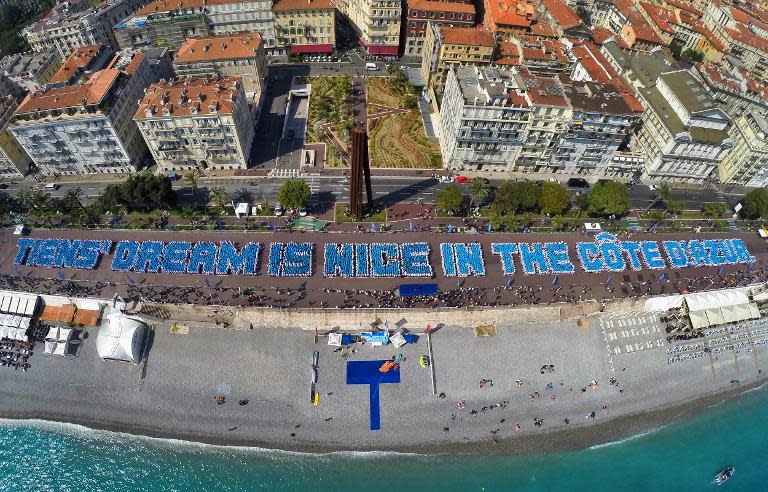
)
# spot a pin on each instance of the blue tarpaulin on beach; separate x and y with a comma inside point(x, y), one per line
point(367, 372)
point(411, 290)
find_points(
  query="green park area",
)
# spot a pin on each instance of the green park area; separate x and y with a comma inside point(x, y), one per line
point(398, 140)
point(329, 104)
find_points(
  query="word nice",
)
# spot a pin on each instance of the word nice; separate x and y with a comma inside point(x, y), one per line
point(605, 254)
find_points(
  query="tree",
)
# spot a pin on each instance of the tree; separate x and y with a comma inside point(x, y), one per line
point(6, 204)
point(663, 193)
point(140, 192)
point(674, 207)
point(219, 196)
point(25, 198)
point(479, 189)
point(608, 198)
point(691, 56)
point(192, 178)
point(294, 193)
point(449, 199)
point(755, 204)
point(515, 196)
point(714, 210)
point(72, 198)
point(553, 198)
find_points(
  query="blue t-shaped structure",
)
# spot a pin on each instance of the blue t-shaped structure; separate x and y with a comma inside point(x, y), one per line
point(367, 372)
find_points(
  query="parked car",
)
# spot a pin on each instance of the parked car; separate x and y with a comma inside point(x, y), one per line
point(51, 187)
point(279, 209)
point(461, 179)
point(302, 211)
point(446, 179)
point(554, 180)
point(578, 183)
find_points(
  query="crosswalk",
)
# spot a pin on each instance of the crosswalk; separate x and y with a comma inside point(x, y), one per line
point(284, 173)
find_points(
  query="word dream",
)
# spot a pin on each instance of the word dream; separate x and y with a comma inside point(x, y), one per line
point(605, 254)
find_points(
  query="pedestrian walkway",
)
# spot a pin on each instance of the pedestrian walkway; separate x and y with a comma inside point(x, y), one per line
point(284, 173)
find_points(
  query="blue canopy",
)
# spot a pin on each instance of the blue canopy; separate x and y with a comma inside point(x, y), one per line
point(411, 290)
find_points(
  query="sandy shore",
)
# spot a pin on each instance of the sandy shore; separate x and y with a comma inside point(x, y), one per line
point(270, 368)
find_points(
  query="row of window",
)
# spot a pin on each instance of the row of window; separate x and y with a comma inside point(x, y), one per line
point(442, 15)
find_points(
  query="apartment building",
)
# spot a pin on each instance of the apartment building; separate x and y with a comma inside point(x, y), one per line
point(72, 24)
point(625, 19)
point(81, 63)
point(168, 23)
point(13, 161)
point(197, 124)
point(376, 23)
point(747, 162)
point(509, 16)
point(734, 90)
point(445, 46)
point(239, 55)
point(421, 12)
point(542, 56)
point(601, 122)
point(87, 128)
point(684, 135)
point(162, 23)
point(305, 26)
point(31, 70)
point(483, 119)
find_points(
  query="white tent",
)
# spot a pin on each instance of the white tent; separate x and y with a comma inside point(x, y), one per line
point(720, 307)
point(121, 338)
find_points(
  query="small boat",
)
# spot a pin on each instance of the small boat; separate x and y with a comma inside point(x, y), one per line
point(724, 474)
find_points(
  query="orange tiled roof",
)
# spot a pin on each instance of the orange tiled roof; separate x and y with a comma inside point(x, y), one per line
point(509, 54)
point(286, 5)
point(439, 6)
point(663, 18)
point(642, 30)
point(89, 93)
point(134, 64)
point(80, 58)
point(543, 28)
point(226, 47)
point(745, 36)
point(684, 6)
point(562, 13)
point(467, 36)
point(600, 70)
point(199, 95)
point(513, 13)
point(600, 35)
point(162, 6)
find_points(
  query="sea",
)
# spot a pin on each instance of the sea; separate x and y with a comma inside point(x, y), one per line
point(681, 456)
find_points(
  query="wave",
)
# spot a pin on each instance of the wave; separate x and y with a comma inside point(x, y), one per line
point(628, 439)
point(86, 432)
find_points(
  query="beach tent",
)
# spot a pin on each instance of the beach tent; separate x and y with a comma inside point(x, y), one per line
point(721, 307)
point(121, 338)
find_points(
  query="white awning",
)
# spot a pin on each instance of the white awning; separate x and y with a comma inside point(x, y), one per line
point(720, 307)
point(121, 338)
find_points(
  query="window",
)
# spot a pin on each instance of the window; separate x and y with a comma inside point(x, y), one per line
point(442, 15)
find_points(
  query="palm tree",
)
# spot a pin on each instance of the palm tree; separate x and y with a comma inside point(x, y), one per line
point(479, 189)
point(663, 193)
point(674, 207)
point(72, 198)
point(26, 199)
point(219, 197)
point(192, 178)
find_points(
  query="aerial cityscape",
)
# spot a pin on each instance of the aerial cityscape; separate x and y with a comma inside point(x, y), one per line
point(533, 231)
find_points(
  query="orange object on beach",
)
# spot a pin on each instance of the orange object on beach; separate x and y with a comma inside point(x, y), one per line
point(385, 367)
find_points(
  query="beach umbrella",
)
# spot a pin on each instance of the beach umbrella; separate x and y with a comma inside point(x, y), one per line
point(509, 282)
point(608, 280)
point(61, 276)
point(554, 281)
point(450, 228)
point(720, 270)
point(410, 225)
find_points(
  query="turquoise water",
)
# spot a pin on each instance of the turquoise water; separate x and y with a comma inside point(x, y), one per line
point(40, 456)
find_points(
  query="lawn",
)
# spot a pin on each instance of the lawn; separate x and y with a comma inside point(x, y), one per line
point(341, 216)
point(319, 111)
point(399, 141)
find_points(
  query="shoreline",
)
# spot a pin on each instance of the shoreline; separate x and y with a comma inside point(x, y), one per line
point(562, 439)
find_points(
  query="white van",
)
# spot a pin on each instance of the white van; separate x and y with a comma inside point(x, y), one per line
point(51, 187)
point(371, 66)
